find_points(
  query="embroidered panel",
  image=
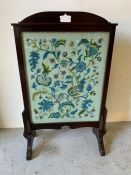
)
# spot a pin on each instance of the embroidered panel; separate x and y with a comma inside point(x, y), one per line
point(64, 73)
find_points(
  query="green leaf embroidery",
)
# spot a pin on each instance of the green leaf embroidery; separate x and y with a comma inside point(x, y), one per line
point(65, 104)
point(38, 93)
point(72, 69)
point(83, 41)
point(60, 42)
point(81, 112)
point(92, 93)
point(35, 111)
point(45, 68)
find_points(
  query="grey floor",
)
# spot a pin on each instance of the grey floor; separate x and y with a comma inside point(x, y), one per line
point(67, 152)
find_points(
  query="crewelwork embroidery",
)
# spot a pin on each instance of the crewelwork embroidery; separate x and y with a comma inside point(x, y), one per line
point(64, 77)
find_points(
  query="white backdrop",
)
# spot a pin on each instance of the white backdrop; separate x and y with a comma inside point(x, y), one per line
point(119, 92)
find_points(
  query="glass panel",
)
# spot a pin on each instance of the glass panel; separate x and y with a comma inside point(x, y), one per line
point(65, 72)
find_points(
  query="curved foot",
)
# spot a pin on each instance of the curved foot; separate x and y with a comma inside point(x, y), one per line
point(29, 154)
point(99, 135)
point(101, 147)
point(29, 146)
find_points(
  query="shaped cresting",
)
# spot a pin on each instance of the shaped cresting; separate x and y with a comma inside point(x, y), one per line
point(64, 69)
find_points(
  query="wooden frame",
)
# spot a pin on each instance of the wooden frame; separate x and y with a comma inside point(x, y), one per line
point(49, 21)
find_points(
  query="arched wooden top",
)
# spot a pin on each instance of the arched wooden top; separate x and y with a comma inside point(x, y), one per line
point(54, 17)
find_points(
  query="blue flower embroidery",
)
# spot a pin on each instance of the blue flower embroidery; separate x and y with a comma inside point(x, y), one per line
point(89, 88)
point(53, 40)
point(34, 59)
point(34, 86)
point(80, 66)
point(55, 115)
point(81, 85)
point(92, 51)
point(35, 54)
point(69, 79)
point(73, 112)
point(86, 104)
point(45, 105)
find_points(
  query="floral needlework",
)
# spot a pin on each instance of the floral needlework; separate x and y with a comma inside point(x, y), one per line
point(63, 77)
